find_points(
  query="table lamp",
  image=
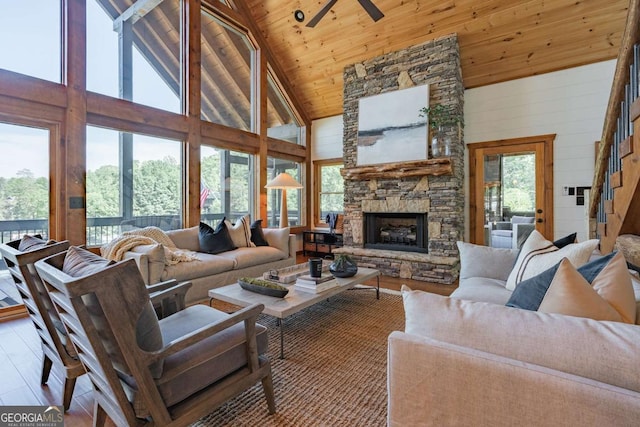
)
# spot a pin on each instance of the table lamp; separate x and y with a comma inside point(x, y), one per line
point(283, 182)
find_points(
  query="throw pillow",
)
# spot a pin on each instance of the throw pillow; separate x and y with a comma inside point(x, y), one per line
point(81, 262)
point(240, 232)
point(566, 240)
point(31, 243)
point(538, 254)
point(485, 261)
point(257, 235)
point(215, 241)
point(599, 290)
point(278, 238)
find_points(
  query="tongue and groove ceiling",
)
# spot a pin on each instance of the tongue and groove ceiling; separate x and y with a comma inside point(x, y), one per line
point(499, 39)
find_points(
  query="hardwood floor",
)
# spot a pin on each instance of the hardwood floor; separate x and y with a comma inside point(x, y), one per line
point(21, 363)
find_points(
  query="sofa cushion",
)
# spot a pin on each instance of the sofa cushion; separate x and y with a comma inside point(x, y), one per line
point(485, 261)
point(194, 368)
point(257, 235)
point(185, 238)
point(600, 350)
point(205, 265)
point(538, 254)
point(215, 241)
point(601, 290)
point(248, 257)
point(278, 238)
point(240, 232)
point(482, 289)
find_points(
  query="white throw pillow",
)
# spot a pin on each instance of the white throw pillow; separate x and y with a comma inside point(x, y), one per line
point(241, 232)
point(538, 254)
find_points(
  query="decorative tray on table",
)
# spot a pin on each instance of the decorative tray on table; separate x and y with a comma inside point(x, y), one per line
point(264, 287)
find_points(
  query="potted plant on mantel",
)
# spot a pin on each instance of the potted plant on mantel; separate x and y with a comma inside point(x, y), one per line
point(441, 118)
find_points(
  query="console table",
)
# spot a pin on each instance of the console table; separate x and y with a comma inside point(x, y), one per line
point(320, 242)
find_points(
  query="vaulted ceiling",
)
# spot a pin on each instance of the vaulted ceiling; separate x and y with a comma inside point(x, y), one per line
point(499, 39)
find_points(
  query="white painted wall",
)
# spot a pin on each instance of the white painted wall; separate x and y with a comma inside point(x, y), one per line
point(570, 103)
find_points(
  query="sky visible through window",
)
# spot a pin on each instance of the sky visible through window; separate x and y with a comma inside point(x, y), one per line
point(35, 50)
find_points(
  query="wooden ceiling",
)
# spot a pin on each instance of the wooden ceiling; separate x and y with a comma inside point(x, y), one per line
point(499, 39)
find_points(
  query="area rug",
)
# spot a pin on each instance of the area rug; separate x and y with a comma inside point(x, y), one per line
point(334, 371)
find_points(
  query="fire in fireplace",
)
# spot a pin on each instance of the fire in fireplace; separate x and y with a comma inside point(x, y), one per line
point(396, 231)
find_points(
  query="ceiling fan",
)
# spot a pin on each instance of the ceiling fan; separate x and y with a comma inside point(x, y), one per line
point(371, 9)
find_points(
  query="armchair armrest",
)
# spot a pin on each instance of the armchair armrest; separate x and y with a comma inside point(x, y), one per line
point(169, 296)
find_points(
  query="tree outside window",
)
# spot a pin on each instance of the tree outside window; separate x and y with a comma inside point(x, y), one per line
point(329, 191)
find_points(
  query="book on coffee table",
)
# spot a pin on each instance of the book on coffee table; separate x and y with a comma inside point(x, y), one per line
point(309, 280)
point(316, 288)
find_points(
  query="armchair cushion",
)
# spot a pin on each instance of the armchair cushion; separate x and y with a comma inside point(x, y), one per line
point(522, 219)
point(80, 262)
point(538, 254)
point(32, 243)
point(213, 358)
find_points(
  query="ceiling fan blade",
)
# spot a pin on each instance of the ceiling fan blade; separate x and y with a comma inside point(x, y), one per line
point(314, 21)
point(371, 9)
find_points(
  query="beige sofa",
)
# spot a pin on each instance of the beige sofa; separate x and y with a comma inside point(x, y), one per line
point(211, 271)
point(470, 360)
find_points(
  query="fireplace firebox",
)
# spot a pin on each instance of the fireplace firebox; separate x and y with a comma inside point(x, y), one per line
point(396, 231)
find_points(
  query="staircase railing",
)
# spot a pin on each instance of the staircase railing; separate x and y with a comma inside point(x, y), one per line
point(607, 219)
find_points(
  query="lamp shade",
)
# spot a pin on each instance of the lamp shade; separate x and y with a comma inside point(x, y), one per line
point(283, 181)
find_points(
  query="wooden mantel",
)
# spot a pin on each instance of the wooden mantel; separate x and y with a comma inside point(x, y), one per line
point(440, 166)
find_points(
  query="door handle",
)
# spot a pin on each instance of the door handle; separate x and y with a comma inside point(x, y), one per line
point(539, 220)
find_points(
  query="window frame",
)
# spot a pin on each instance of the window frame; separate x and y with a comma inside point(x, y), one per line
point(317, 188)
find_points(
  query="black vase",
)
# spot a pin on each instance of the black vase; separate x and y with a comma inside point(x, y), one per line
point(343, 267)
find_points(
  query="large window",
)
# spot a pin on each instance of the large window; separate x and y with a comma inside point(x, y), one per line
point(24, 195)
point(133, 181)
point(135, 57)
point(30, 34)
point(329, 191)
point(276, 166)
point(227, 63)
point(226, 184)
point(281, 122)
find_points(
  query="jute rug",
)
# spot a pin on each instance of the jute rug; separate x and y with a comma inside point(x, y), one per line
point(334, 371)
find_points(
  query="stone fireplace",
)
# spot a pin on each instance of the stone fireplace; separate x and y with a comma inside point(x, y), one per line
point(427, 203)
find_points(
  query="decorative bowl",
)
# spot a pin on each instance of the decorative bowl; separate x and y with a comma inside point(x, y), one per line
point(263, 287)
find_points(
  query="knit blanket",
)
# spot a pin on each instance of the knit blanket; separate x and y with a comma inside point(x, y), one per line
point(115, 249)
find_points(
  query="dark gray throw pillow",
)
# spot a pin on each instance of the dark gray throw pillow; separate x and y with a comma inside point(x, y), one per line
point(566, 240)
point(215, 241)
point(257, 235)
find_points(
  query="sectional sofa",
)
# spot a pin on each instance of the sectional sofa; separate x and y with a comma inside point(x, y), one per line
point(468, 359)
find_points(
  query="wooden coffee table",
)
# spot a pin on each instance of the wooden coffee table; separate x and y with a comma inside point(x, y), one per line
point(295, 300)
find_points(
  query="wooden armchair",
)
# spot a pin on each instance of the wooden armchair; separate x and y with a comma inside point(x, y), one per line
point(53, 337)
point(144, 371)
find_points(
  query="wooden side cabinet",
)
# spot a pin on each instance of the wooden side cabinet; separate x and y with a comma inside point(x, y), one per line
point(320, 243)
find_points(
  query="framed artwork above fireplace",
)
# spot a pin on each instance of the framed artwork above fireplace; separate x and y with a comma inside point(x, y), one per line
point(390, 128)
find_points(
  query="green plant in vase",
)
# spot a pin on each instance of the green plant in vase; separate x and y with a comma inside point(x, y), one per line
point(440, 118)
point(343, 266)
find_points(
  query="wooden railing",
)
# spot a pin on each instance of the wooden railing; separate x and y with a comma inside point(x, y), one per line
point(612, 206)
